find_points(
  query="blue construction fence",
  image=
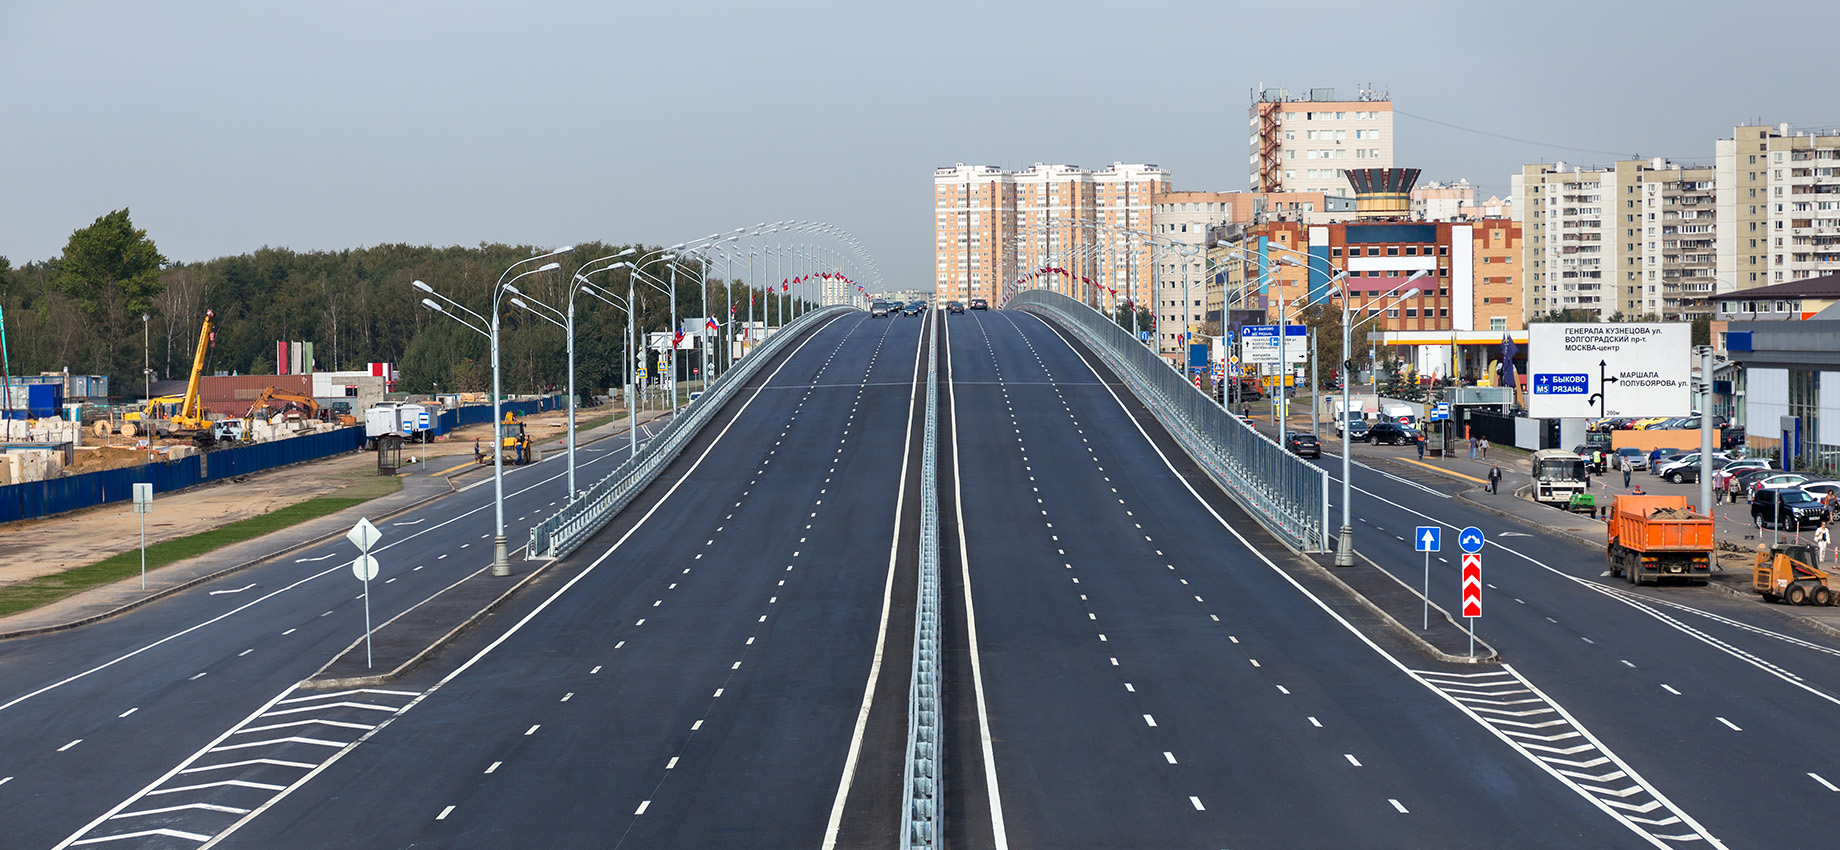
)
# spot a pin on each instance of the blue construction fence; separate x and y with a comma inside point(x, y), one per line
point(34, 499)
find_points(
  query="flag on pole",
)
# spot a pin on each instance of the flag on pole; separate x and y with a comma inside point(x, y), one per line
point(712, 324)
point(678, 338)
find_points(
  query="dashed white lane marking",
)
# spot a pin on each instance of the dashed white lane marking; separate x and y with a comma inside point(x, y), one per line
point(128, 712)
point(444, 813)
point(1316, 723)
point(1733, 726)
point(1169, 757)
point(642, 807)
point(1196, 801)
point(1149, 721)
point(494, 767)
point(1398, 805)
point(1815, 776)
point(1670, 689)
point(69, 745)
point(533, 730)
point(1351, 759)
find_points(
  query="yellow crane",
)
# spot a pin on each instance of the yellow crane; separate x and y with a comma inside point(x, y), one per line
point(185, 415)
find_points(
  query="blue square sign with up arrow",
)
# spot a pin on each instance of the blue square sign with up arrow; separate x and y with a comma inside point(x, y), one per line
point(1428, 538)
point(1470, 539)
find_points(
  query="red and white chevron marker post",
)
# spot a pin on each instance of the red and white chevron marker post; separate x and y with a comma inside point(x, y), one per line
point(1472, 594)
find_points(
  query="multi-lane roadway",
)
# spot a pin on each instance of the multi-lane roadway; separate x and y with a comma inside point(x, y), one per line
point(1129, 660)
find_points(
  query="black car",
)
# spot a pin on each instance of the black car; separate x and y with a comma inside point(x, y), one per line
point(954, 307)
point(915, 308)
point(1391, 434)
point(1787, 508)
point(1303, 444)
point(979, 304)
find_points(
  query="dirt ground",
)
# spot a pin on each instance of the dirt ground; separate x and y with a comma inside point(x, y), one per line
point(41, 547)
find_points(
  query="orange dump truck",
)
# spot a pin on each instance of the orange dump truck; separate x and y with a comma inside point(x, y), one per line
point(1656, 537)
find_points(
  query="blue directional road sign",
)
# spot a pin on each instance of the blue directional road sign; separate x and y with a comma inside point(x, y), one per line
point(1470, 539)
point(1428, 538)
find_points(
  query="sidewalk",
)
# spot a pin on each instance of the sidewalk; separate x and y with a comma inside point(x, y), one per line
point(422, 483)
point(1733, 530)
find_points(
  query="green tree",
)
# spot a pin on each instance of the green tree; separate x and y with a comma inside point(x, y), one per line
point(109, 269)
point(1324, 318)
point(1702, 329)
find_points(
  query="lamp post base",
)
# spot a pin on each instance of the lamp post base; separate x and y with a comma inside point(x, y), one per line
point(501, 563)
point(1344, 547)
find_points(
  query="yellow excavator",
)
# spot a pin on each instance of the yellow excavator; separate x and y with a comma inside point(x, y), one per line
point(513, 441)
point(185, 416)
point(276, 400)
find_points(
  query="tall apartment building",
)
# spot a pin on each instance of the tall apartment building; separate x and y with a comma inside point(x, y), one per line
point(1635, 238)
point(974, 209)
point(991, 227)
point(1778, 206)
point(1306, 144)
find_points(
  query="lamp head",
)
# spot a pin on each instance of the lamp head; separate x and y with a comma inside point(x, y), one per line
point(1410, 293)
point(422, 286)
point(564, 249)
point(432, 304)
point(512, 289)
point(627, 253)
point(549, 267)
point(519, 302)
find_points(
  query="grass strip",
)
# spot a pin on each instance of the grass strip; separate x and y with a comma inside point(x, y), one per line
point(44, 590)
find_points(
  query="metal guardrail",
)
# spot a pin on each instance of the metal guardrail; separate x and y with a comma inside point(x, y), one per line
point(920, 826)
point(562, 533)
point(1287, 495)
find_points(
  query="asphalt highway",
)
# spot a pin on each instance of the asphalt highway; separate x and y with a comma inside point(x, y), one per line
point(703, 681)
point(112, 706)
point(1129, 660)
point(1718, 701)
point(1148, 679)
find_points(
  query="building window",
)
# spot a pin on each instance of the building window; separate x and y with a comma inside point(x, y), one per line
point(1498, 323)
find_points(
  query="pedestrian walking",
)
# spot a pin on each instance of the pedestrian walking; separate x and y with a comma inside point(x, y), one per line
point(1624, 463)
point(1420, 443)
point(1495, 479)
point(1820, 543)
point(1485, 448)
point(1472, 448)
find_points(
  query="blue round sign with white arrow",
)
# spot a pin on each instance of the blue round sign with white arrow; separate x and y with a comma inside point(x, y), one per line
point(1470, 539)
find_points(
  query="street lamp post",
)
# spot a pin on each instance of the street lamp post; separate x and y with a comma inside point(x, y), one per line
point(568, 329)
point(501, 561)
point(1344, 545)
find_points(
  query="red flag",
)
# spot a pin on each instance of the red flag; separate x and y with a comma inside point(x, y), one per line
point(785, 286)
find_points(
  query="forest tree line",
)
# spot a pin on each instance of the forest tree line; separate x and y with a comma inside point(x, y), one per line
point(83, 309)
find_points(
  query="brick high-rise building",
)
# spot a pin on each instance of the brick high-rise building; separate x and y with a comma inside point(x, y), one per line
point(991, 227)
point(1306, 144)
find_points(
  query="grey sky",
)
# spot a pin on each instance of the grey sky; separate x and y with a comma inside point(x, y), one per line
point(229, 126)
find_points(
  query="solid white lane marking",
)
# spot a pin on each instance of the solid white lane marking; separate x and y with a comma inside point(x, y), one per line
point(998, 827)
point(170, 833)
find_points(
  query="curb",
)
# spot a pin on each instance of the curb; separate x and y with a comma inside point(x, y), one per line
point(190, 583)
point(1493, 657)
point(313, 682)
point(231, 570)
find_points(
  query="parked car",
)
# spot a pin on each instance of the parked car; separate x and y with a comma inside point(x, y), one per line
point(1303, 444)
point(1731, 468)
point(1688, 459)
point(1788, 508)
point(1392, 434)
point(1822, 489)
point(1741, 483)
point(1656, 457)
point(1779, 481)
point(1638, 459)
